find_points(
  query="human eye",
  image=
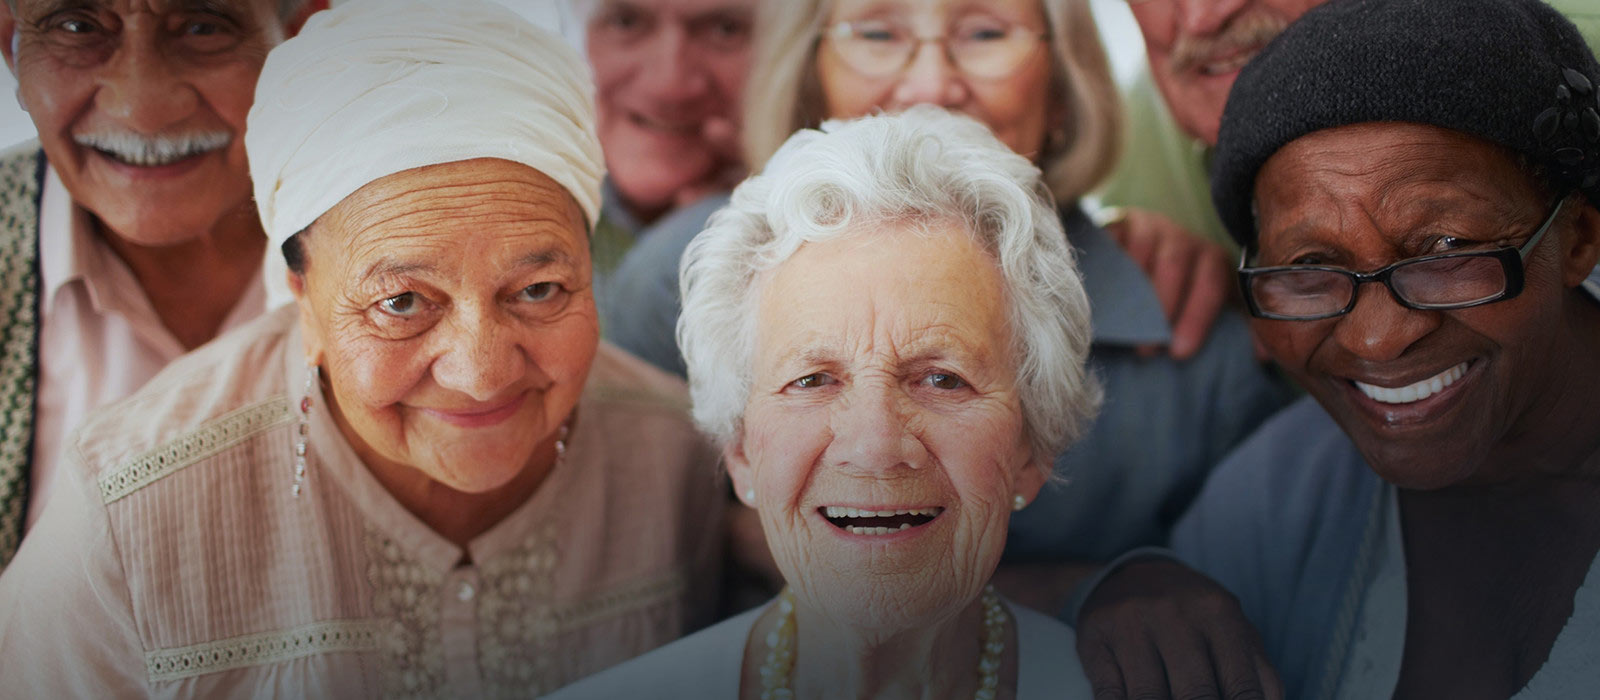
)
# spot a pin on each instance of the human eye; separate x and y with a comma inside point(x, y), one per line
point(73, 27)
point(944, 381)
point(402, 305)
point(724, 31)
point(815, 380)
point(878, 31)
point(539, 291)
point(625, 22)
point(981, 29)
point(207, 33)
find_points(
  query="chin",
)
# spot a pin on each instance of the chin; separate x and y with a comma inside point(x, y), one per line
point(1425, 467)
point(490, 470)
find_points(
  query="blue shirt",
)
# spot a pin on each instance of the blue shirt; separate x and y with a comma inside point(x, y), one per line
point(1163, 425)
point(1298, 527)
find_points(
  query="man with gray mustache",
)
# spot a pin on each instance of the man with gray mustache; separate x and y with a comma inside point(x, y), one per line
point(127, 232)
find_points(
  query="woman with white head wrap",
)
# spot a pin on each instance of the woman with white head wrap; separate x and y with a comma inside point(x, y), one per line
point(406, 482)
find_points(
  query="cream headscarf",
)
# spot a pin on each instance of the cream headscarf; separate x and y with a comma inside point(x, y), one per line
point(375, 87)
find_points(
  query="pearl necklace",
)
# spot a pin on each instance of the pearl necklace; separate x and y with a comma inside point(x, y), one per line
point(777, 671)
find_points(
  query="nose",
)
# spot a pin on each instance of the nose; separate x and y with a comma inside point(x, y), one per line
point(1379, 329)
point(141, 88)
point(872, 432)
point(930, 79)
point(670, 71)
point(481, 357)
point(1206, 17)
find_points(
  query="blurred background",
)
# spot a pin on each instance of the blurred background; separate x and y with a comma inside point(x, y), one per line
point(1117, 29)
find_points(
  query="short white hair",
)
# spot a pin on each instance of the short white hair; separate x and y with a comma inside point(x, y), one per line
point(922, 165)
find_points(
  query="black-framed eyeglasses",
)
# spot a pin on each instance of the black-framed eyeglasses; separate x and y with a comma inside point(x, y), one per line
point(1429, 283)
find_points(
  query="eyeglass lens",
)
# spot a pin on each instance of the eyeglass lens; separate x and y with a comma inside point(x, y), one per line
point(1447, 281)
point(980, 46)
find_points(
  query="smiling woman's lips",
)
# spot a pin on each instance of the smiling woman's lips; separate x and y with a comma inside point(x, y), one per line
point(479, 417)
point(878, 521)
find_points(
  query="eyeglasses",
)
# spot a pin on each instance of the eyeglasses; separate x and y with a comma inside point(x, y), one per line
point(981, 47)
point(1429, 283)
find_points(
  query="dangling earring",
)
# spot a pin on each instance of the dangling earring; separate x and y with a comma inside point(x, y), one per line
point(1018, 502)
point(313, 375)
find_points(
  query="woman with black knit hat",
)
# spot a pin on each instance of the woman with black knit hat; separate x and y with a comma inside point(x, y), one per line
point(1415, 185)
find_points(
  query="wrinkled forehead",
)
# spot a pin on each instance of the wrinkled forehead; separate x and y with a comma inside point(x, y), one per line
point(1373, 168)
point(128, 7)
point(670, 10)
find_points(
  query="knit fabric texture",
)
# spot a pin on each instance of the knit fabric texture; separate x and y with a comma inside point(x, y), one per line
point(1512, 72)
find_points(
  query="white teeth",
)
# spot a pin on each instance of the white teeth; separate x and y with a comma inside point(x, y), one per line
point(1415, 392)
point(151, 151)
point(842, 512)
point(875, 530)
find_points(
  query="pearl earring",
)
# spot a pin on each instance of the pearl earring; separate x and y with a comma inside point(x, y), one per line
point(303, 427)
point(1018, 502)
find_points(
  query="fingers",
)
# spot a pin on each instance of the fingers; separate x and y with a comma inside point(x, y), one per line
point(1271, 685)
point(1242, 672)
point(1171, 267)
point(1188, 669)
point(1100, 666)
point(1138, 237)
point(1144, 671)
point(1208, 288)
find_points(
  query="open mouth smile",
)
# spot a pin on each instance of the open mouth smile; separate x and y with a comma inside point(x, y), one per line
point(152, 152)
point(1412, 393)
point(861, 521)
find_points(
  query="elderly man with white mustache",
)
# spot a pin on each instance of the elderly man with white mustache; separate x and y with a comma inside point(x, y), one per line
point(127, 232)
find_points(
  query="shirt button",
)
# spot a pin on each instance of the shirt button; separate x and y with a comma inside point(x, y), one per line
point(465, 592)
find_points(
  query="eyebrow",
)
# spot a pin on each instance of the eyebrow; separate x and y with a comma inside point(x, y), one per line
point(391, 267)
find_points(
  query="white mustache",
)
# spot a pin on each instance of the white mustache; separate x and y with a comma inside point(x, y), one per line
point(148, 151)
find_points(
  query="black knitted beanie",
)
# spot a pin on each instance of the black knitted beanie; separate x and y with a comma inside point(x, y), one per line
point(1512, 72)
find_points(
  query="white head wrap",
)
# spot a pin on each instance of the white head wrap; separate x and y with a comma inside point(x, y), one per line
point(375, 87)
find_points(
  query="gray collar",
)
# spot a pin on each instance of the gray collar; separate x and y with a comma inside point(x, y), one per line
point(1123, 306)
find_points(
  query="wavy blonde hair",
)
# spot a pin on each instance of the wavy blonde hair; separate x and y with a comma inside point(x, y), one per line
point(783, 94)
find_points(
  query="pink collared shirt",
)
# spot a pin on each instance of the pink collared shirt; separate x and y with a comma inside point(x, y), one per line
point(99, 337)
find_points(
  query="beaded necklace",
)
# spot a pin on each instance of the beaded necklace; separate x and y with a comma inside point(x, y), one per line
point(777, 672)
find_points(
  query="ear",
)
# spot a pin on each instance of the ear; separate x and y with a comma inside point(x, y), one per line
point(8, 36)
point(1030, 479)
point(739, 471)
point(310, 331)
point(1581, 250)
point(298, 21)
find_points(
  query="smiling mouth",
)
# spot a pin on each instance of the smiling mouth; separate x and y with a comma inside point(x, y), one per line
point(858, 521)
point(672, 127)
point(1413, 392)
point(152, 151)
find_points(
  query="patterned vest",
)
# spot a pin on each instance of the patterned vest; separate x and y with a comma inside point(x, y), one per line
point(21, 172)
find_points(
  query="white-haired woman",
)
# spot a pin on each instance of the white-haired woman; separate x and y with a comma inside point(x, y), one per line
point(1033, 71)
point(886, 334)
point(426, 477)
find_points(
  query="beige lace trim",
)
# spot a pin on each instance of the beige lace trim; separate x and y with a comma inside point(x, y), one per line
point(517, 623)
point(209, 439)
point(265, 648)
point(407, 595)
point(621, 601)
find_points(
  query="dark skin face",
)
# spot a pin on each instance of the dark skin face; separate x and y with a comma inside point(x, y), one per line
point(1364, 196)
